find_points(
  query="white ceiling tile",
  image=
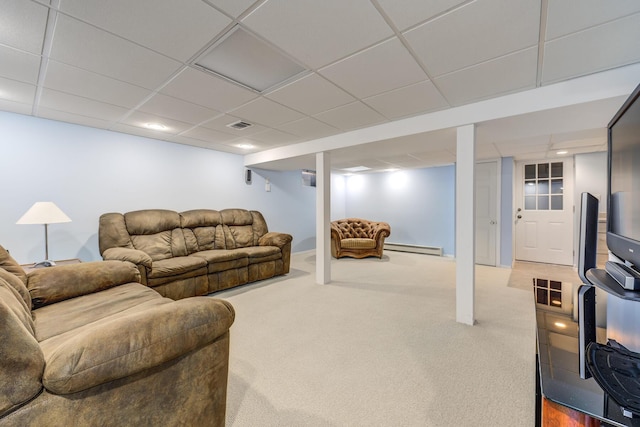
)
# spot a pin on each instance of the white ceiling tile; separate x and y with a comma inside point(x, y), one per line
point(78, 119)
point(309, 128)
point(233, 7)
point(509, 73)
point(207, 90)
point(15, 91)
point(176, 29)
point(599, 134)
point(378, 69)
point(15, 107)
point(61, 101)
point(266, 112)
point(87, 47)
point(141, 119)
point(407, 13)
point(319, 32)
point(274, 137)
point(180, 139)
point(18, 65)
point(596, 49)
point(410, 100)
point(566, 17)
point(579, 143)
point(351, 116)
point(476, 33)
point(76, 81)
point(173, 108)
point(22, 25)
point(205, 134)
point(311, 95)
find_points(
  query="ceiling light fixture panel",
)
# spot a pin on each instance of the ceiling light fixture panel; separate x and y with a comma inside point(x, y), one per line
point(243, 58)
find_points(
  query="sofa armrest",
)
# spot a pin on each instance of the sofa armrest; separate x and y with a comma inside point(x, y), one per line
point(135, 256)
point(131, 344)
point(50, 285)
point(275, 239)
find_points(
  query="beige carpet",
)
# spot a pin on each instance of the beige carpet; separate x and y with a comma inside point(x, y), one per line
point(379, 346)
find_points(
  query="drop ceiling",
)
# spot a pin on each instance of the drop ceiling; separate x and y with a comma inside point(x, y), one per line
point(121, 65)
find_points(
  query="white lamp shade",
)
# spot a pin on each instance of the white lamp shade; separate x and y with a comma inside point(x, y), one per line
point(43, 213)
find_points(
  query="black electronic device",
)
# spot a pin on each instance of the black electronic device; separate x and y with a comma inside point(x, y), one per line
point(588, 241)
point(615, 369)
point(587, 252)
point(623, 214)
point(587, 326)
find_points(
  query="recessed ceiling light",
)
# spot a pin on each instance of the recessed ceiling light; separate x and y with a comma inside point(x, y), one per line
point(560, 153)
point(156, 126)
point(357, 169)
point(245, 146)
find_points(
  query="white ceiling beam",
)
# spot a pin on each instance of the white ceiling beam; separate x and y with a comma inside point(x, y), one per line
point(595, 87)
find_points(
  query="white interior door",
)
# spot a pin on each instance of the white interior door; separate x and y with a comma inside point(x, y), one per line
point(544, 211)
point(486, 212)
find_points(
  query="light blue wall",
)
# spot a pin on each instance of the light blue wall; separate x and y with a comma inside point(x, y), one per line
point(418, 204)
point(87, 172)
point(506, 212)
point(591, 177)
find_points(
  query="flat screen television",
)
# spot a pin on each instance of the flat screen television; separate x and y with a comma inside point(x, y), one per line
point(623, 214)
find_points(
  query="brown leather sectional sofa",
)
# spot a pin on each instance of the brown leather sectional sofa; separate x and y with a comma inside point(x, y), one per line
point(88, 345)
point(195, 252)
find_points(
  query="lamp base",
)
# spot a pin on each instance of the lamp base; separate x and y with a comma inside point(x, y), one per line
point(45, 263)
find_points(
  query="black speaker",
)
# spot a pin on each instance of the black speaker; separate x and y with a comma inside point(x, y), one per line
point(587, 326)
point(587, 251)
point(587, 247)
point(247, 176)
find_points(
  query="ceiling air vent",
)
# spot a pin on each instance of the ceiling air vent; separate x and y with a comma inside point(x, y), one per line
point(239, 125)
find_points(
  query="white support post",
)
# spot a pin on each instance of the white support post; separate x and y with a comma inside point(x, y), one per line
point(465, 224)
point(323, 218)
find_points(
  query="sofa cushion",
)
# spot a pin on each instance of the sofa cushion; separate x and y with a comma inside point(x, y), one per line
point(15, 276)
point(223, 259)
point(22, 360)
point(162, 333)
point(57, 319)
point(18, 285)
point(11, 265)
point(176, 266)
point(50, 285)
point(358, 243)
point(262, 253)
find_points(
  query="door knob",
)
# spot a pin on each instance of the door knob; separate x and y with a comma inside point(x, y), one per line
point(519, 216)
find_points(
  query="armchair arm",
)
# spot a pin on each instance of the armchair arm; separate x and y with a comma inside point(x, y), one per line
point(135, 256)
point(134, 343)
point(275, 239)
point(336, 233)
point(49, 285)
point(380, 230)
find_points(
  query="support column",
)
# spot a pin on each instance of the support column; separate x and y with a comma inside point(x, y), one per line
point(465, 224)
point(323, 218)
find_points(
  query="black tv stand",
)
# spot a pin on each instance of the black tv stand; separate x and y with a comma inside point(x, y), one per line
point(603, 280)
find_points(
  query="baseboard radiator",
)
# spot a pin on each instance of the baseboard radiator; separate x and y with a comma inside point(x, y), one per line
point(416, 249)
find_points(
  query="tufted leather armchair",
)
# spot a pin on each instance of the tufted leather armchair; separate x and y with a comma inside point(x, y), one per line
point(358, 238)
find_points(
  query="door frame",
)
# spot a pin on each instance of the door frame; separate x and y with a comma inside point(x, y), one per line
point(572, 195)
point(498, 227)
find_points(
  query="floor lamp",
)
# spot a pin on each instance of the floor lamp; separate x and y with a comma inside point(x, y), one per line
point(44, 213)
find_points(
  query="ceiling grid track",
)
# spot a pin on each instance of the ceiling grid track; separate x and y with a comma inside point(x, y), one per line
point(544, 9)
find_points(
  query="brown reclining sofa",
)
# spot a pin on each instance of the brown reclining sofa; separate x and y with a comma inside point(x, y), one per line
point(195, 252)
